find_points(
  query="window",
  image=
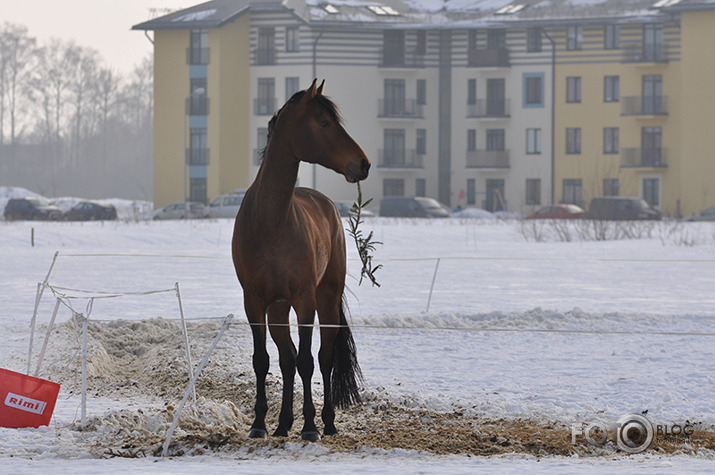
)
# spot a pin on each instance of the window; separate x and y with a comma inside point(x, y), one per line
point(266, 52)
point(574, 40)
point(533, 191)
point(611, 89)
point(653, 94)
point(653, 42)
point(471, 140)
point(421, 145)
point(572, 191)
point(292, 39)
point(420, 187)
point(610, 187)
point(261, 142)
point(421, 46)
point(652, 145)
point(533, 141)
point(612, 37)
point(292, 86)
point(495, 195)
point(393, 50)
point(533, 90)
point(471, 91)
point(573, 140)
point(198, 101)
point(394, 153)
point(651, 191)
point(394, 97)
point(198, 146)
point(496, 103)
point(533, 40)
point(421, 91)
point(573, 89)
point(266, 102)
point(197, 190)
point(495, 139)
point(198, 52)
point(471, 191)
point(611, 140)
point(496, 39)
point(393, 187)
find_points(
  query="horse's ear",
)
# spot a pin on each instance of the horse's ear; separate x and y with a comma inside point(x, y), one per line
point(320, 88)
point(310, 93)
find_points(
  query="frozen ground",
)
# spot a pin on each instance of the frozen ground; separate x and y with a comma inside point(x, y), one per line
point(553, 332)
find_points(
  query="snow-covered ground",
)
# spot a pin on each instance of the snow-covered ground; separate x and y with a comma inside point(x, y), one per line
point(565, 332)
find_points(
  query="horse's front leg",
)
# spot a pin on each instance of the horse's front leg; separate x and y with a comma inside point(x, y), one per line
point(280, 332)
point(306, 366)
point(261, 364)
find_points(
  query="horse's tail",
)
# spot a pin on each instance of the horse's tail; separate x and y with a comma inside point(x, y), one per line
point(346, 375)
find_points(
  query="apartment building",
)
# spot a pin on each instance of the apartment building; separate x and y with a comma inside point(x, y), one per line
point(494, 105)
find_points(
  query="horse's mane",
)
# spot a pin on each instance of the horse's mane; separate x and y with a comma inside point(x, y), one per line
point(324, 102)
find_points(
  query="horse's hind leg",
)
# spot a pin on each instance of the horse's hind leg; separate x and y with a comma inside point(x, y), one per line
point(280, 332)
point(306, 366)
point(261, 364)
point(328, 314)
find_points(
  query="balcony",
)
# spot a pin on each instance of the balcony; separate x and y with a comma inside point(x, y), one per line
point(400, 158)
point(264, 56)
point(197, 56)
point(488, 58)
point(644, 105)
point(265, 106)
point(645, 53)
point(400, 109)
point(643, 158)
point(489, 109)
point(488, 159)
point(400, 59)
point(196, 105)
point(197, 156)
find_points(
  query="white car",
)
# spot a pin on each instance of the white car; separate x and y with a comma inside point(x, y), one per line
point(226, 206)
point(188, 210)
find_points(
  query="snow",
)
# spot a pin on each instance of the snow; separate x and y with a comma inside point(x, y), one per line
point(565, 332)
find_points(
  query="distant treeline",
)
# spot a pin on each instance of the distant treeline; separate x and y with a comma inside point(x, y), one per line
point(69, 125)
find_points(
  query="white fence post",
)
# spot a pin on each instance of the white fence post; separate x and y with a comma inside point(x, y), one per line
point(434, 277)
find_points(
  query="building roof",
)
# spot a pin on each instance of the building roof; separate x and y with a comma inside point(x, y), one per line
point(430, 13)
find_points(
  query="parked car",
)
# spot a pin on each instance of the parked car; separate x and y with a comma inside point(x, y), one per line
point(226, 206)
point(621, 208)
point(188, 210)
point(707, 214)
point(32, 207)
point(91, 211)
point(564, 211)
point(345, 207)
point(417, 207)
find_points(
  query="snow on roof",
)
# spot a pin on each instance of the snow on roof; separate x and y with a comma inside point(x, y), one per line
point(196, 16)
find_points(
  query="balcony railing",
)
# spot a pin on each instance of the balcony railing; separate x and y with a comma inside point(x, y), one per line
point(488, 159)
point(197, 156)
point(643, 158)
point(409, 109)
point(264, 106)
point(644, 105)
point(489, 108)
point(488, 58)
point(197, 56)
point(642, 53)
point(264, 56)
point(398, 59)
point(399, 158)
point(197, 105)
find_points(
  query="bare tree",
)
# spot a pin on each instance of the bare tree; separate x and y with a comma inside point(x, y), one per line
point(18, 51)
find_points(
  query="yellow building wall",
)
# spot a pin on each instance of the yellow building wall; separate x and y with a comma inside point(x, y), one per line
point(697, 96)
point(229, 117)
point(171, 86)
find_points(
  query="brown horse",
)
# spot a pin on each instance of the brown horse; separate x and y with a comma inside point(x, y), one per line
point(289, 251)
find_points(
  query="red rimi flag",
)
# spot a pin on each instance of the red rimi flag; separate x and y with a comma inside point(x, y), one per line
point(26, 401)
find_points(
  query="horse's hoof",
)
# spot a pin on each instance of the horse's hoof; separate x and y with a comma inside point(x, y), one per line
point(280, 433)
point(312, 436)
point(330, 430)
point(257, 434)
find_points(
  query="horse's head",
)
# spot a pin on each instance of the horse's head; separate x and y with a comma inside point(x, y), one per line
point(318, 134)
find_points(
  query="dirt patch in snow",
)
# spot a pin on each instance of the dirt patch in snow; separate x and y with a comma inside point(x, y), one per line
point(145, 363)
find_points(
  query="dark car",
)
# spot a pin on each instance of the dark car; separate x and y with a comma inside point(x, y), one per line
point(91, 211)
point(707, 214)
point(565, 211)
point(33, 208)
point(417, 207)
point(621, 208)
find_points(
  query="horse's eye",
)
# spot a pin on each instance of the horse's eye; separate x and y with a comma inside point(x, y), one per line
point(324, 123)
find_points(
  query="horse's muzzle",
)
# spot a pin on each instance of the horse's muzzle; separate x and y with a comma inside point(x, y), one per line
point(353, 175)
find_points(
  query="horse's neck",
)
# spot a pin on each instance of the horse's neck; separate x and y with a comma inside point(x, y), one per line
point(275, 184)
